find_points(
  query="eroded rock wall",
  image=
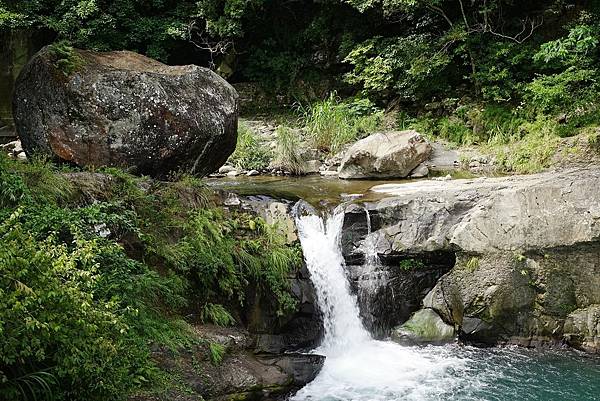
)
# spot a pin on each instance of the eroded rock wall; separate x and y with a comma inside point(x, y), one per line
point(527, 253)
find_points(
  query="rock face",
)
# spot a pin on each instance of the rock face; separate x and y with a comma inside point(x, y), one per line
point(385, 155)
point(240, 374)
point(123, 109)
point(527, 253)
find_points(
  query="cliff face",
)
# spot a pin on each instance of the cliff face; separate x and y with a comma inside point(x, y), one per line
point(525, 253)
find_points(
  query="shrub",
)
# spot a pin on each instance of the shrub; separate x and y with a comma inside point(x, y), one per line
point(80, 304)
point(70, 310)
point(249, 153)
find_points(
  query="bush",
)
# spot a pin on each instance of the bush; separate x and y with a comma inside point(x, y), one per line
point(249, 153)
point(89, 281)
point(72, 311)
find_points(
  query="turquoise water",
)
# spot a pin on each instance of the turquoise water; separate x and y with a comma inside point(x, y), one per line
point(508, 374)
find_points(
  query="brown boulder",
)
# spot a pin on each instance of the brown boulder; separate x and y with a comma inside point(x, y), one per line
point(124, 109)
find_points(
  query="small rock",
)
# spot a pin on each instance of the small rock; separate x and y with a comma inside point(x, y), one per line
point(233, 173)
point(329, 173)
point(22, 156)
point(226, 169)
point(312, 166)
point(421, 171)
point(232, 200)
point(252, 173)
point(448, 177)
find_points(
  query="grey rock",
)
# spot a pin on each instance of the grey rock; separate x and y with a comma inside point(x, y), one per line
point(421, 171)
point(252, 173)
point(124, 109)
point(312, 167)
point(226, 169)
point(391, 154)
point(527, 269)
point(424, 327)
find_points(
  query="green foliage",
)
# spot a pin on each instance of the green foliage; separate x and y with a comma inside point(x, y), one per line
point(222, 254)
point(217, 314)
point(404, 65)
point(65, 308)
point(411, 264)
point(249, 153)
point(65, 58)
point(332, 123)
point(217, 352)
point(90, 279)
point(287, 153)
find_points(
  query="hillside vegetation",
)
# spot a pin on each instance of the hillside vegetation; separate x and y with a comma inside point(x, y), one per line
point(96, 268)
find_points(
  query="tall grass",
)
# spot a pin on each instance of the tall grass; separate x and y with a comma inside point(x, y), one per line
point(332, 123)
point(249, 153)
point(287, 155)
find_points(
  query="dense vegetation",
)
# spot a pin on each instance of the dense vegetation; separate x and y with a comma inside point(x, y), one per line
point(487, 72)
point(96, 268)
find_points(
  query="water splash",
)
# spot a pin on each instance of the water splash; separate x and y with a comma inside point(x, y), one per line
point(359, 368)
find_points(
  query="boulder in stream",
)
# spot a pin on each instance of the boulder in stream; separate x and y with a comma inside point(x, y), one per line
point(391, 154)
point(124, 109)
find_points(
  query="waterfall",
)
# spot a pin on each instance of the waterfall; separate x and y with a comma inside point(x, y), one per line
point(320, 238)
point(357, 367)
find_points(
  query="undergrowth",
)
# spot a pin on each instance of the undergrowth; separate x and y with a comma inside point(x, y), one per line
point(249, 153)
point(96, 268)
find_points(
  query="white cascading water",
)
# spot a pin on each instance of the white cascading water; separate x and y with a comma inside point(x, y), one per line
point(357, 367)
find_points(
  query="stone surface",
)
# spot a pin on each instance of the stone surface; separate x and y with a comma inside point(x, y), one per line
point(226, 169)
point(527, 252)
point(420, 171)
point(123, 109)
point(312, 167)
point(391, 154)
point(424, 327)
point(240, 375)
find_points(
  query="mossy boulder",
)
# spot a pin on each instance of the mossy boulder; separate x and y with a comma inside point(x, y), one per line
point(424, 327)
point(124, 109)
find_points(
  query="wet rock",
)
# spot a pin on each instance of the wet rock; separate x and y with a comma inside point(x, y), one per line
point(424, 327)
point(233, 173)
point(123, 109)
point(240, 375)
point(253, 173)
point(385, 155)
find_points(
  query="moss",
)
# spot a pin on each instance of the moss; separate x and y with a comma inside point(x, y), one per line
point(472, 264)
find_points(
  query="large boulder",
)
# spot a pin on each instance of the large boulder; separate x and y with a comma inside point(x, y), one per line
point(124, 109)
point(526, 268)
point(385, 155)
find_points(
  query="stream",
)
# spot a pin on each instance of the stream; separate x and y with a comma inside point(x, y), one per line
point(360, 368)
